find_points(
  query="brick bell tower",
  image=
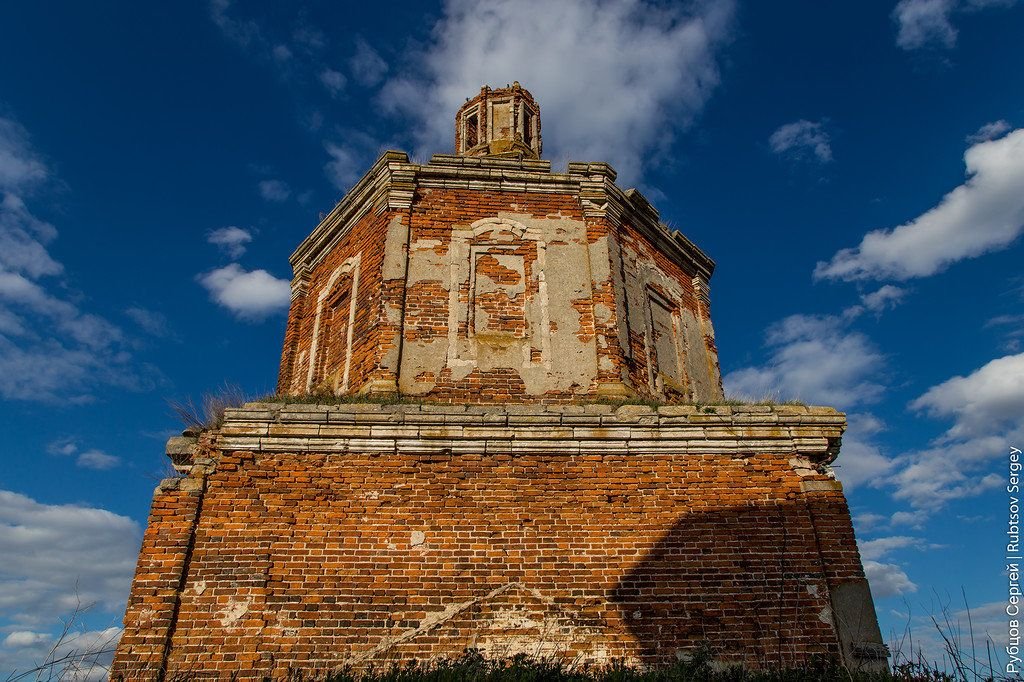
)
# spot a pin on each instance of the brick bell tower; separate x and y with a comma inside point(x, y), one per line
point(485, 277)
point(558, 475)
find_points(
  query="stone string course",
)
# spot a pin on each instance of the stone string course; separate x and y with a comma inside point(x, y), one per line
point(307, 537)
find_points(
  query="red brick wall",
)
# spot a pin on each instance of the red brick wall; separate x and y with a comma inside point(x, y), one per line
point(152, 611)
point(372, 333)
point(307, 561)
point(434, 214)
point(638, 251)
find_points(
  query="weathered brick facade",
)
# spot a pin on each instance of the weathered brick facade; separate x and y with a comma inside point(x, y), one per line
point(310, 537)
point(486, 277)
point(509, 512)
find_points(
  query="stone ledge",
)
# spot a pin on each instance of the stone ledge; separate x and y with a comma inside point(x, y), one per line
point(812, 432)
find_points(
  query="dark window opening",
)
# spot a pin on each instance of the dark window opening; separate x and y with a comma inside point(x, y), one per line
point(528, 127)
point(472, 132)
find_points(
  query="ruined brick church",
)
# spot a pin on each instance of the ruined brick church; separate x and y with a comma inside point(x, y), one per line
point(542, 462)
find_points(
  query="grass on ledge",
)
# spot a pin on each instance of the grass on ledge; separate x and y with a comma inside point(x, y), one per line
point(208, 412)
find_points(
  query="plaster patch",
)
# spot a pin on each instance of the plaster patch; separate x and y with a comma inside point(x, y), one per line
point(233, 612)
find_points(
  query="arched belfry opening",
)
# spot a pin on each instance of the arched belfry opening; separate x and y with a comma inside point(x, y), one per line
point(500, 122)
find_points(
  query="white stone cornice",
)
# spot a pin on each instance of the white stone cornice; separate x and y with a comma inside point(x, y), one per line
point(388, 184)
point(810, 432)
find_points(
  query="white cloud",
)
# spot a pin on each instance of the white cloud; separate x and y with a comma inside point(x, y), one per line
point(861, 461)
point(868, 521)
point(989, 131)
point(816, 359)
point(333, 80)
point(244, 32)
point(616, 79)
point(23, 240)
point(367, 66)
point(880, 547)
point(802, 140)
point(62, 446)
point(988, 401)
point(924, 23)
point(25, 638)
point(886, 297)
point(819, 360)
point(249, 295)
point(98, 460)
point(984, 214)
point(231, 240)
point(914, 519)
point(274, 190)
point(59, 556)
point(887, 580)
point(281, 53)
point(986, 408)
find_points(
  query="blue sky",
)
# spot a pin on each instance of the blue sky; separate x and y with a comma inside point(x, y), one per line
point(856, 169)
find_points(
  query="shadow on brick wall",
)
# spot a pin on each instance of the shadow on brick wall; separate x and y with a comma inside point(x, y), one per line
point(748, 581)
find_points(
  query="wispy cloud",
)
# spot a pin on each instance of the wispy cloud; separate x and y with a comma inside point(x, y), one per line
point(274, 190)
point(924, 23)
point(20, 166)
point(608, 99)
point(989, 131)
point(333, 80)
point(883, 298)
point(351, 156)
point(150, 321)
point(814, 358)
point(929, 23)
point(88, 459)
point(888, 578)
point(232, 240)
point(984, 214)
point(802, 140)
point(98, 460)
point(367, 66)
point(49, 346)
